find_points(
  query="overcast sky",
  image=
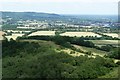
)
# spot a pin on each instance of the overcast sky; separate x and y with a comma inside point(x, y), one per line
point(98, 7)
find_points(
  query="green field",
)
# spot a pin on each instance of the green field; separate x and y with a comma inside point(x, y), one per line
point(105, 41)
point(92, 50)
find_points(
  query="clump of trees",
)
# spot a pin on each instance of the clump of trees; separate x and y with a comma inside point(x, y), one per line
point(12, 47)
point(115, 53)
point(57, 33)
point(106, 48)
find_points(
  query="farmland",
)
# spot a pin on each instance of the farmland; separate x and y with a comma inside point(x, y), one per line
point(80, 34)
point(105, 42)
point(17, 31)
point(114, 35)
point(14, 36)
point(1, 35)
point(43, 33)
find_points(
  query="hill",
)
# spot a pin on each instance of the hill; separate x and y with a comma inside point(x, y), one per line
point(38, 59)
point(28, 15)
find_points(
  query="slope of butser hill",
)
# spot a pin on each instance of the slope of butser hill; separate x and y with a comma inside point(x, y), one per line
point(46, 59)
point(112, 74)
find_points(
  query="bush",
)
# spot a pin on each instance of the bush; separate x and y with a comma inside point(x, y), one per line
point(118, 63)
point(115, 53)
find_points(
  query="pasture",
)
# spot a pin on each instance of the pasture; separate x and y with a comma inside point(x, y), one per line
point(105, 42)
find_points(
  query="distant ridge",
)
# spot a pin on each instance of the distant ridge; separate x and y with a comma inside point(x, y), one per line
point(51, 16)
point(28, 15)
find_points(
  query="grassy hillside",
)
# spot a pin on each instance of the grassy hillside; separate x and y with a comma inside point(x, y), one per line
point(39, 59)
point(92, 50)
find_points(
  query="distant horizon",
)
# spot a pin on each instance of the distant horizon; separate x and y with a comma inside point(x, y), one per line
point(65, 14)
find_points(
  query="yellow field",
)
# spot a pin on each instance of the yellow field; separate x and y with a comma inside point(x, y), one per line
point(1, 33)
point(43, 33)
point(14, 36)
point(80, 34)
point(112, 35)
point(17, 31)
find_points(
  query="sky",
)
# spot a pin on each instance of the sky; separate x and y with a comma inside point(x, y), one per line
point(90, 7)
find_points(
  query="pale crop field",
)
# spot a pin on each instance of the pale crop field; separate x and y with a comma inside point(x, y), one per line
point(17, 31)
point(112, 35)
point(80, 34)
point(14, 36)
point(1, 33)
point(43, 33)
point(105, 41)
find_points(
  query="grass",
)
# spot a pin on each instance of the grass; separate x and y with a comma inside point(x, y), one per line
point(92, 50)
point(105, 41)
point(71, 52)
